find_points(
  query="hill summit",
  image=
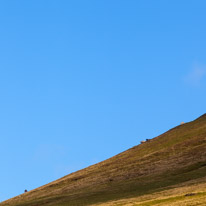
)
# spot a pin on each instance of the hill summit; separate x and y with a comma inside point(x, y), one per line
point(167, 170)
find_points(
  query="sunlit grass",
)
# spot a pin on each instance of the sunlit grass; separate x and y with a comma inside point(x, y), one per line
point(158, 172)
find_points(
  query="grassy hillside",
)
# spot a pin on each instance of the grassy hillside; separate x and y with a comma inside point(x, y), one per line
point(158, 172)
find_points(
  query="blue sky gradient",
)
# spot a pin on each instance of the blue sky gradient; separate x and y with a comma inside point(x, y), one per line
point(81, 81)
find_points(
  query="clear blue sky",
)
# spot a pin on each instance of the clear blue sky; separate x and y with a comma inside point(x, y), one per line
point(81, 81)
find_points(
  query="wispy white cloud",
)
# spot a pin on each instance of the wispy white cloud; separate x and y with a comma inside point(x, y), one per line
point(196, 75)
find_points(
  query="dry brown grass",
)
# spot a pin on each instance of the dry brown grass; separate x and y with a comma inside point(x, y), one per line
point(144, 171)
point(175, 196)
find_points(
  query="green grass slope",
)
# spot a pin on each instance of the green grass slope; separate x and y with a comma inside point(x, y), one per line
point(174, 159)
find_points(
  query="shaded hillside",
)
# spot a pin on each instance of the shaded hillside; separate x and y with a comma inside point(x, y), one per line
point(171, 159)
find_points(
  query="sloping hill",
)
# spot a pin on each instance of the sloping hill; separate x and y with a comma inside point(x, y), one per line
point(145, 173)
